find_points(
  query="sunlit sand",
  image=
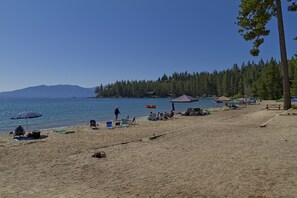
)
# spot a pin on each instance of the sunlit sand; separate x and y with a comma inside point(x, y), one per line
point(226, 153)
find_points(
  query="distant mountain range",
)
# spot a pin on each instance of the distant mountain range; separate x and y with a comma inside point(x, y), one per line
point(54, 91)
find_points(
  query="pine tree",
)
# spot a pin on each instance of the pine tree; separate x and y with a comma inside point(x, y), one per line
point(253, 18)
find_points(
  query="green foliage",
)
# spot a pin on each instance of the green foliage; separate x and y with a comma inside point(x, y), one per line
point(258, 80)
point(293, 63)
point(253, 18)
point(271, 81)
point(293, 6)
point(239, 95)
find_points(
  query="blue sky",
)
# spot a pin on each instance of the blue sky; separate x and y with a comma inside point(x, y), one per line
point(89, 42)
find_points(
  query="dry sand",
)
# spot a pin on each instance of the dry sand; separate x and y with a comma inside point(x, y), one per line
point(225, 154)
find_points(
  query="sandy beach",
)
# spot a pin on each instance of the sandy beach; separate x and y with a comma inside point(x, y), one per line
point(225, 154)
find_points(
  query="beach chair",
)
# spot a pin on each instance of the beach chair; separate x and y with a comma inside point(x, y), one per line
point(166, 115)
point(93, 124)
point(19, 131)
point(117, 124)
point(152, 117)
point(205, 112)
point(109, 125)
point(133, 121)
point(125, 123)
point(162, 116)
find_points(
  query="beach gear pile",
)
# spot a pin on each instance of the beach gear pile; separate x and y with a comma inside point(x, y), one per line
point(20, 134)
point(160, 116)
point(99, 154)
point(195, 112)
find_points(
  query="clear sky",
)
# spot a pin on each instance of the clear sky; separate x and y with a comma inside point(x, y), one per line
point(89, 42)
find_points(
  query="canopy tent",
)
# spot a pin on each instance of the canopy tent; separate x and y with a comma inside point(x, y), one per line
point(184, 99)
point(223, 98)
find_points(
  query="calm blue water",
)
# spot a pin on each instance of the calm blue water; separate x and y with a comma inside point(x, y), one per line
point(74, 111)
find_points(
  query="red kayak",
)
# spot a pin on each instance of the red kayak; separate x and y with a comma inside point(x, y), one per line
point(150, 106)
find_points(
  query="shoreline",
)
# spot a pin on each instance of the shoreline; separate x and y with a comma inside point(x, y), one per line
point(102, 123)
point(67, 112)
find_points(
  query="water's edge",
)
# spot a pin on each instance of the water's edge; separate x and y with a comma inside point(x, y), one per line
point(77, 111)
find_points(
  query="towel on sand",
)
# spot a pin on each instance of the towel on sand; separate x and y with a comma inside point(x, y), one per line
point(22, 138)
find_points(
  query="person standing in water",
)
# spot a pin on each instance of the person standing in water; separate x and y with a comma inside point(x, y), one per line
point(116, 113)
point(173, 107)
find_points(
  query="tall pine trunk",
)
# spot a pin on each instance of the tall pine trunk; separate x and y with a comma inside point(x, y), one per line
point(284, 61)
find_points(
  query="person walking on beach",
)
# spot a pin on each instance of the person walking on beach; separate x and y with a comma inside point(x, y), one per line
point(116, 113)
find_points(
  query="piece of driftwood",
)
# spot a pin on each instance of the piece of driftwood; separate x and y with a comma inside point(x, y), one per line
point(268, 121)
point(288, 112)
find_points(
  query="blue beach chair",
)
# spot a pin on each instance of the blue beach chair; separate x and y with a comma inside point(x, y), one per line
point(109, 125)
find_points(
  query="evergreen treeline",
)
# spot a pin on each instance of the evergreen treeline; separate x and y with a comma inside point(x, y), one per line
point(261, 80)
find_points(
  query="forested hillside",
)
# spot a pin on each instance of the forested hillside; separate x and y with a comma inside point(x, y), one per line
point(262, 80)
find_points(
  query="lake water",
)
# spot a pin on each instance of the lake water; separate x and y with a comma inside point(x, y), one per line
point(74, 111)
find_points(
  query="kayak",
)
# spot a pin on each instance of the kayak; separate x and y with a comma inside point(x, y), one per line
point(150, 106)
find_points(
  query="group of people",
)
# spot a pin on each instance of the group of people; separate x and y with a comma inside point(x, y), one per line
point(160, 115)
point(152, 116)
point(232, 106)
point(195, 112)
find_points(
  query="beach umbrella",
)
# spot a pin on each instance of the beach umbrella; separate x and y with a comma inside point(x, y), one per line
point(26, 115)
point(184, 99)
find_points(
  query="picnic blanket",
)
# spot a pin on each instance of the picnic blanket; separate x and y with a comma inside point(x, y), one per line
point(22, 138)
